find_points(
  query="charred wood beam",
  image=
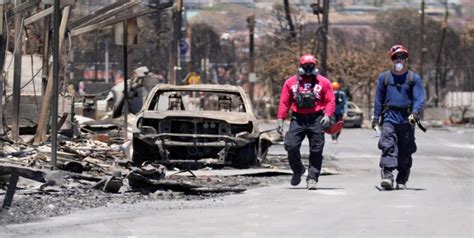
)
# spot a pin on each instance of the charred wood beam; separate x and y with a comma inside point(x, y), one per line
point(29, 173)
point(40, 176)
point(97, 13)
point(81, 176)
point(114, 13)
point(110, 22)
point(22, 7)
point(137, 180)
point(38, 16)
point(10, 190)
point(105, 14)
point(45, 103)
point(46, 12)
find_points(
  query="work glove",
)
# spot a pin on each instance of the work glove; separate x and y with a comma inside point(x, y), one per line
point(280, 126)
point(375, 122)
point(413, 118)
point(325, 121)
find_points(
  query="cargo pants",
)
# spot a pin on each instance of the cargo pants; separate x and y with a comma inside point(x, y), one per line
point(397, 143)
point(300, 127)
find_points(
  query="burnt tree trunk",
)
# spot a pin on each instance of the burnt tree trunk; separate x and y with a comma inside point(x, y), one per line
point(289, 19)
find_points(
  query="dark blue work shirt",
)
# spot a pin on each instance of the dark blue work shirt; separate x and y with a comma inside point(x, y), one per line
point(398, 93)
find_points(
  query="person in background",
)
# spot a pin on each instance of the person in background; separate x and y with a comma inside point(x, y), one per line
point(341, 107)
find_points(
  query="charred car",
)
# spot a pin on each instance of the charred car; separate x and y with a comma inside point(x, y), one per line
point(212, 124)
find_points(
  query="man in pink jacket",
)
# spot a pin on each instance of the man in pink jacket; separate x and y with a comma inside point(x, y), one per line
point(311, 100)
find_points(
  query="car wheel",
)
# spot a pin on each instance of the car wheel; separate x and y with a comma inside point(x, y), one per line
point(245, 156)
point(144, 152)
point(359, 123)
point(264, 146)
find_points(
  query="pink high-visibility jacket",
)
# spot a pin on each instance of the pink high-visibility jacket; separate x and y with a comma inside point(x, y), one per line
point(325, 101)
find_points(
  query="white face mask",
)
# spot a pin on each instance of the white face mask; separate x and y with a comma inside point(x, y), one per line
point(399, 67)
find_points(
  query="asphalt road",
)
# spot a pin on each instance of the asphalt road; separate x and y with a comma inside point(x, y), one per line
point(438, 203)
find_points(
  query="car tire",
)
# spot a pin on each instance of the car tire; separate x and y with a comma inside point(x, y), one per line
point(245, 156)
point(144, 152)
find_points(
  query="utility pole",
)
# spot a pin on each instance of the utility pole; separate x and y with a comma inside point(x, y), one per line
point(106, 56)
point(324, 51)
point(96, 60)
point(252, 77)
point(173, 63)
point(17, 73)
point(422, 46)
point(56, 64)
point(125, 79)
point(46, 37)
point(438, 58)
point(2, 61)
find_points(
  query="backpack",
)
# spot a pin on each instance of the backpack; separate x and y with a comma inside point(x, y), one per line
point(388, 80)
point(387, 75)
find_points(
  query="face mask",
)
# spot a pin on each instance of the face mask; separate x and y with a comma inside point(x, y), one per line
point(308, 70)
point(399, 66)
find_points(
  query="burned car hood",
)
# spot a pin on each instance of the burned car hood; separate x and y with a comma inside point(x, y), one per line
point(229, 117)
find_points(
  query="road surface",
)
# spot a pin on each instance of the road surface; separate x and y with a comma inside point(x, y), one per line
point(438, 203)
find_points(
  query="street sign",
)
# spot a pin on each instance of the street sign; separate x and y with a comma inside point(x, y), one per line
point(185, 50)
point(252, 78)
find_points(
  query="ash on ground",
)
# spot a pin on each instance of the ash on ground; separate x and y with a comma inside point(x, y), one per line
point(33, 201)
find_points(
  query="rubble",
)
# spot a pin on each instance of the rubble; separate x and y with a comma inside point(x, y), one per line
point(94, 168)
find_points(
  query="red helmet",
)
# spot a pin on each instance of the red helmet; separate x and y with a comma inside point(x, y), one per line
point(308, 58)
point(397, 49)
point(335, 85)
point(335, 128)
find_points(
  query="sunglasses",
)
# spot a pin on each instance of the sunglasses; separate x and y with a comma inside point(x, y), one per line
point(399, 57)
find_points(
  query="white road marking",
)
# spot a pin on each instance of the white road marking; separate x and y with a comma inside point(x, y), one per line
point(329, 192)
point(463, 146)
point(415, 156)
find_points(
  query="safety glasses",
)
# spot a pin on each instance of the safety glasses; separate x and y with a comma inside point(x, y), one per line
point(399, 57)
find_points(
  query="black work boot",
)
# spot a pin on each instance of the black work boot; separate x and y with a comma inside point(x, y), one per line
point(387, 179)
point(296, 179)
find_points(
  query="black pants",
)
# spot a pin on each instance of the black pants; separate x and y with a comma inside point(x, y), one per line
point(397, 144)
point(301, 126)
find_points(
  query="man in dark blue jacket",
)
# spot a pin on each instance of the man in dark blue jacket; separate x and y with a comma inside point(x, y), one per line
point(399, 98)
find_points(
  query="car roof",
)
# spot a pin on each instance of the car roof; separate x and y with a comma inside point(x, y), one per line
point(200, 87)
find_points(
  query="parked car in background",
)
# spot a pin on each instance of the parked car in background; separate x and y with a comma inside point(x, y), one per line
point(213, 124)
point(355, 116)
